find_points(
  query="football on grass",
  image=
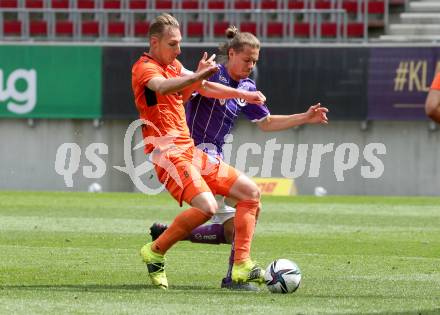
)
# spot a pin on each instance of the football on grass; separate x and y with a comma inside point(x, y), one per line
point(282, 276)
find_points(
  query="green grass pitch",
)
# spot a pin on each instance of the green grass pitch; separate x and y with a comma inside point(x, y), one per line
point(79, 253)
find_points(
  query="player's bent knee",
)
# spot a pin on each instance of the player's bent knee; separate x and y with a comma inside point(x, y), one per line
point(205, 202)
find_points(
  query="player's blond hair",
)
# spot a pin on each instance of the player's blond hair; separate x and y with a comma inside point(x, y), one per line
point(237, 40)
point(160, 23)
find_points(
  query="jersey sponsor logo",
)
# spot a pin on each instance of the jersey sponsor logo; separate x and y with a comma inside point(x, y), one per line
point(21, 100)
point(223, 79)
point(241, 102)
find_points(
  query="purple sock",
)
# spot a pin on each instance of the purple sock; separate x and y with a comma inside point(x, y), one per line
point(231, 263)
point(208, 234)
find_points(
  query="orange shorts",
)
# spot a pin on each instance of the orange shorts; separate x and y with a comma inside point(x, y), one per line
point(188, 173)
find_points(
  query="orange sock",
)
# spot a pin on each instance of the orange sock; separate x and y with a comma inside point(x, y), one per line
point(181, 227)
point(244, 224)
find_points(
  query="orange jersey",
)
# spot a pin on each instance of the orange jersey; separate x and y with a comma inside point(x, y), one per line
point(165, 112)
point(436, 83)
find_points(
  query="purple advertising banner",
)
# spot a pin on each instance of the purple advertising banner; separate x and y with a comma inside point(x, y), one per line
point(399, 80)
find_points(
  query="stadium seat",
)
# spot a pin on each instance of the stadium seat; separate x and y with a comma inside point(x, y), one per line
point(64, 28)
point(248, 26)
point(59, 4)
point(8, 4)
point(329, 29)
point(195, 29)
point(355, 29)
point(190, 4)
point(141, 28)
point(275, 29)
point(111, 4)
point(216, 4)
point(301, 29)
point(116, 28)
point(295, 5)
point(38, 28)
point(323, 5)
point(86, 4)
point(90, 28)
point(268, 4)
point(242, 4)
point(34, 4)
point(137, 4)
point(351, 6)
point(163, 4)
point(376, 7)
point(12, 28)
point(220, 28)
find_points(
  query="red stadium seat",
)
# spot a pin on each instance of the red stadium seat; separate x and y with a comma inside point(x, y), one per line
point(350, 6)
point(86, 4)
point(250, 27)
point(323, 4)
point(116, 28)
point(301, 29)
point(296, 4)
point(111, 4)
point(60, 4)
point(220, 28)
point(275, 29)
point(9, 4)
point(216, 4)
point(141, 28)
point(329, 29)
point(64, 28)
point(163, 4)
point(38, 28)
point(190, 4)
point(12, 28)
point(355, 29)
point(90, 28)
point(269, 4)
point(376, 7)
point(242, 4)
point(195, 29)
point(34, 4)
point(138, 4)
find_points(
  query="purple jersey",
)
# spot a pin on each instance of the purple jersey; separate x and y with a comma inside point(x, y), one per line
point(210, 120)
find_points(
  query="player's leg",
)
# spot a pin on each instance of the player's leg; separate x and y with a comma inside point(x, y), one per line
point(227, 181)
point(248, 196)
point(193, 190)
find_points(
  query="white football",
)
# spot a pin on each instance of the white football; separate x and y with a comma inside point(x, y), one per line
point(95, 188)
point(282, 276)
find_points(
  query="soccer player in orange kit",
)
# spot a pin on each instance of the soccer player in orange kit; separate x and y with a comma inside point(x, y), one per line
point(160, 85)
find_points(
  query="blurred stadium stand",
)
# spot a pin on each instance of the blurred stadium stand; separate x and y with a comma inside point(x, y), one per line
point(201, 20)
point(419, 22)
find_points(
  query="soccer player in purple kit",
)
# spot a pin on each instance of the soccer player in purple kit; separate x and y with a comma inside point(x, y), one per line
point(210, 120)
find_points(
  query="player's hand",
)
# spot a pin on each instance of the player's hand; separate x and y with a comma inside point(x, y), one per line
point(206, 62)
point(254, 97)
point(317, 114)
point(206, 72)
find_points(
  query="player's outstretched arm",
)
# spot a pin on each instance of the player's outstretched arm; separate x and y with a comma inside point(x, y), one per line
point(314, 115)
point(432, 105)
point(172, 85)
point(217, 90)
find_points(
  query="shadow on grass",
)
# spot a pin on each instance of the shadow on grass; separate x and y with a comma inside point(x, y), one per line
point(98, 287)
